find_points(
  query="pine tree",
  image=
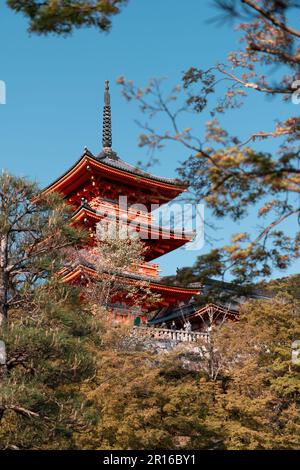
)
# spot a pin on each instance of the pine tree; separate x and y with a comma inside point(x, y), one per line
point(46, 339)
point(34, 232)
point(63, 16)
point(50, 363)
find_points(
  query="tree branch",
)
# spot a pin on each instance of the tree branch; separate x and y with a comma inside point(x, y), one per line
point(270, 17)
point(267, 230)
point(19, 410)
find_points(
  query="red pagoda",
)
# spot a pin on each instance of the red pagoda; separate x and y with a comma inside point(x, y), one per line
point(93, 187)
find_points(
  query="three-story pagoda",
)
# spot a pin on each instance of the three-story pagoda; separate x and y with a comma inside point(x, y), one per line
point(93, 187)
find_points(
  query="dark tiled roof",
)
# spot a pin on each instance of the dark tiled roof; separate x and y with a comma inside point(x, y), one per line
point(247, 291)
point(116, 162)
point(187, 310)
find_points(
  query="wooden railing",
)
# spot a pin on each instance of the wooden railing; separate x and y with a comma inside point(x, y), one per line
point(165, 334)
point(146, 269)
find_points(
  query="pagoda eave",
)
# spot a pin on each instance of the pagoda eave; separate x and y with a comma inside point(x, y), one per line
point(169, 294)
point(88, 166)
point(158, 240)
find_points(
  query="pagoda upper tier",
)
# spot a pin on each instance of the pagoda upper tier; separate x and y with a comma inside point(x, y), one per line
point(109, 177)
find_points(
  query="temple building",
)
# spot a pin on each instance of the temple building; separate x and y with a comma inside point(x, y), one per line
point(93, 187)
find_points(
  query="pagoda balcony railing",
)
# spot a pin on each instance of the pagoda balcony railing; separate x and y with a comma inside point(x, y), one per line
point(164, 334)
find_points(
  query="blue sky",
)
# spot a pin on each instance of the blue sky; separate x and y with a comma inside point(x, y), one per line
point(55, 90)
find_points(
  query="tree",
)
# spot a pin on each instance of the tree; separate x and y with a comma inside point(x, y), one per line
point(47, 336)
point(63, 16)
point(242, 395)
point(260, 404)
point(50, 365)
point(230, 173)
point(289, 284)
point(148, 400)
point(118, 251)
point(34, 231)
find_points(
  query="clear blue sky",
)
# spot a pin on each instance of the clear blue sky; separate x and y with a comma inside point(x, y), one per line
point(55, 89)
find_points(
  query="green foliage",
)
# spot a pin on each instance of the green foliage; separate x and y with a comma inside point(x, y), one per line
point(75, 382)
point(145, 404)
point(290, 284)
point(149, 400)
point(260, 409)
point(63, 16)
point(34, 234)
point(50, 361)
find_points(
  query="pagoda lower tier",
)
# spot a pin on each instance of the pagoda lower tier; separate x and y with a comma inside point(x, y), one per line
point(169, 297)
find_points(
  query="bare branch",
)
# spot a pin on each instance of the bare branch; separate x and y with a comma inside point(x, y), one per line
point(270, 17)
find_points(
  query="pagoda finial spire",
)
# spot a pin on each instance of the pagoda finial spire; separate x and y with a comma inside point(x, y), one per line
point(107, 151)
point(106, 134)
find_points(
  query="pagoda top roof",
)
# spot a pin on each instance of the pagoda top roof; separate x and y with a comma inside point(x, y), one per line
point(123, 165)
point(109, 157)
point(108, 164)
